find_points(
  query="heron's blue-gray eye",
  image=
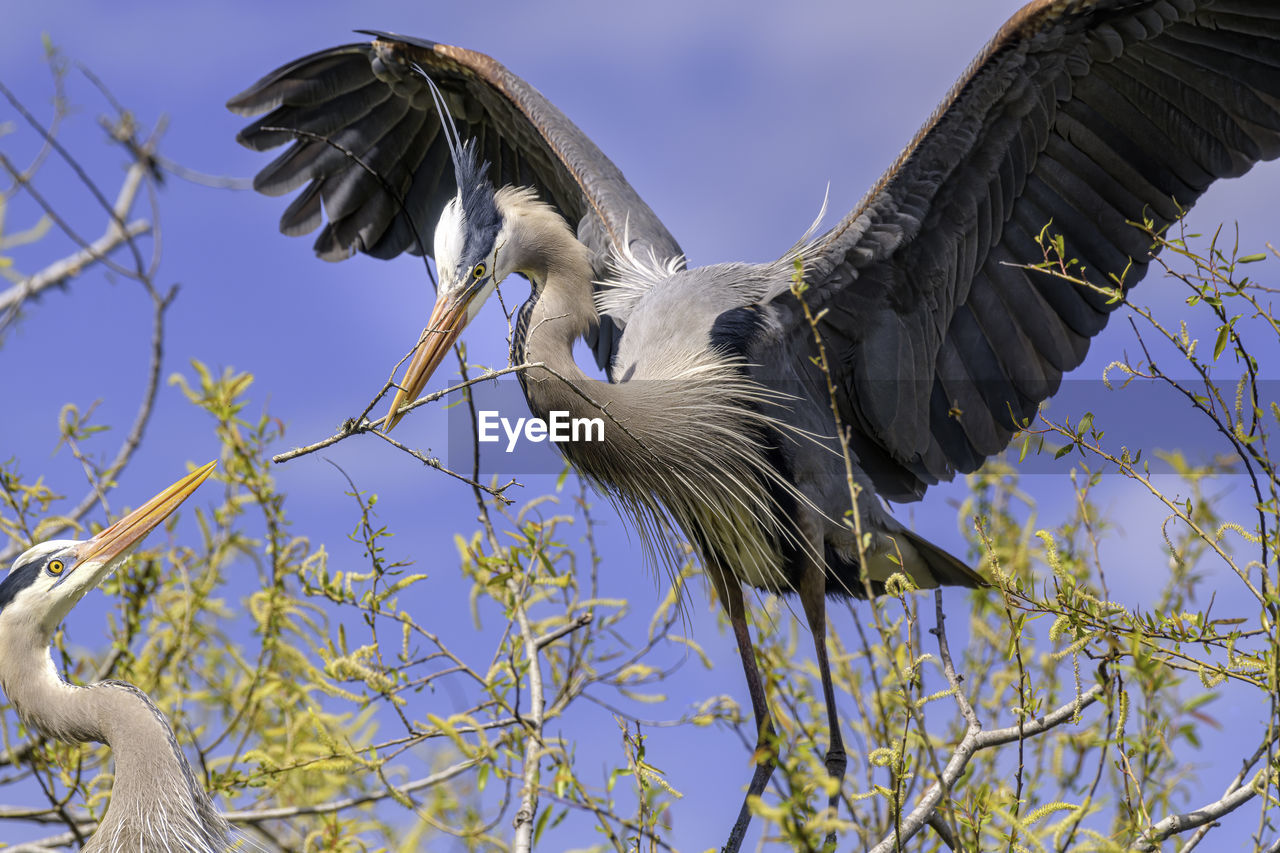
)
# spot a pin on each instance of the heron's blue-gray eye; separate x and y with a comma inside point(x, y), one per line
point(55, 567)
point(478, 271)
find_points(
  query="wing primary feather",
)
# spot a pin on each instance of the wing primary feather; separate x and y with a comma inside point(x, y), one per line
point(1103, 144)
point(1028, 307)
point(1005, 402)
point(1094, 234)
point(291, 169)
point(347, 193)
point(1231, 143)
point(1156, 147)
point(971, 409)
point(1062, 298)
point(1241, 102)
point(430, 190)
point(1018, 358)
point(1232, 53)
point(953, 443)
point(308, 81)
point(1191, 136)
point(320, 119)
point(1114, 200)
point(304, 213)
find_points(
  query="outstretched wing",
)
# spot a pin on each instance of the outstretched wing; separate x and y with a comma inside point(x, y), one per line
point(366, 102)
point(1080, 115)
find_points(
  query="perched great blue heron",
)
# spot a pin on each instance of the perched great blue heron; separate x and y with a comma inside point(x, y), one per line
point(1080, 113)
point(157, 804)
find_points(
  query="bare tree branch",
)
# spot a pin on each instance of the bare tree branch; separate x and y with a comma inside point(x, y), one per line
point(113, 210)
point(973, 742)
point(1233, 798)
point(59, 271)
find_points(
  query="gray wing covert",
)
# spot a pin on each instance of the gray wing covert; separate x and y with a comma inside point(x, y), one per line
point(1080, 113)
point(365, 101)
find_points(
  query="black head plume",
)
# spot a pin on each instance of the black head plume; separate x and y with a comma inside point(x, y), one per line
point(475, 192)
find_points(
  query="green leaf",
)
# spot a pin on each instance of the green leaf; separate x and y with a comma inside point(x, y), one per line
point(541, 825)
point(1224, 335)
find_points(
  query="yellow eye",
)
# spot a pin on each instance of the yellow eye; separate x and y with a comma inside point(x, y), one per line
point(478, 271)
point(55, 567)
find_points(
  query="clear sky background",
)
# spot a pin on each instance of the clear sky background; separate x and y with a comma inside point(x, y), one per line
point(731, 119)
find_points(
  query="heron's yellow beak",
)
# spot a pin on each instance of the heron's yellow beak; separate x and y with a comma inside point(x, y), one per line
point(121, 537)
point(448, 319)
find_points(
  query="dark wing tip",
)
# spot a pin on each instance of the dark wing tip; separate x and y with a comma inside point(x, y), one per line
point(426, 44)
point(245, 103)
point(308, 80)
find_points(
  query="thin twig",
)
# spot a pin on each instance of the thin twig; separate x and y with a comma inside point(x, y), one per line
point(361, 426)
point(260, 815)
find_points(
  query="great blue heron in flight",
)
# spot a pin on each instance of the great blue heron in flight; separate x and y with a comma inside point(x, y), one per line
point(157, 804)
point(1080, 114)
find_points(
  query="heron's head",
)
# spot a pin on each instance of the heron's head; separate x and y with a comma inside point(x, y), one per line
point(51, 578)
point(470, 262)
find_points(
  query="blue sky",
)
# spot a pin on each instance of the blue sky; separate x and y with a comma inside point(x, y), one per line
point(731, 119)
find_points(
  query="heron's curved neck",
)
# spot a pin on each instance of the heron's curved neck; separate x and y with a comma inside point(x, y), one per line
point(685, 419)
point(50, 705)
point(155, 789)
point(541, 247)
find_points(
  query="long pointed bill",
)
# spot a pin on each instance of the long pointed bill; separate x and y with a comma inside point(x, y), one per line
point(448, 319)
point(118, 539)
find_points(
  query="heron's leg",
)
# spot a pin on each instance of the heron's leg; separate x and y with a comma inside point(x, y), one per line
point(813, 597)
point(729, 591)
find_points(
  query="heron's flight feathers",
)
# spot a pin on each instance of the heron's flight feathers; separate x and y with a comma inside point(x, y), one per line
point(1081, 115)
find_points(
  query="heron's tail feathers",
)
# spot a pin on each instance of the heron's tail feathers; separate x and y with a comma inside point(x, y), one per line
point(931, 566)
point(897, 551)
